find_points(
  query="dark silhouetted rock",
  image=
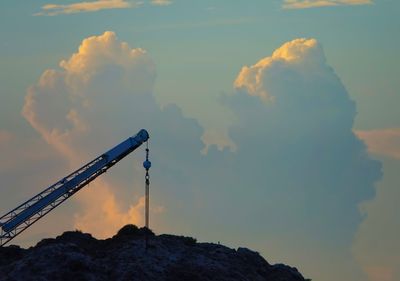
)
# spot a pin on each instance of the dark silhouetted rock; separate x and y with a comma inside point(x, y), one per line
point(78, 256)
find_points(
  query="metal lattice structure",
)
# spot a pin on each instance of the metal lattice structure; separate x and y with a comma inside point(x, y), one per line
point(20, 218)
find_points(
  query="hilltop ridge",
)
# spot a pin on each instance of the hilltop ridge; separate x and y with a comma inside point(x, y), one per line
point(79, 256)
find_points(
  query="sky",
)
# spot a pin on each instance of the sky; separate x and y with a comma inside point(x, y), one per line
point(274, 124)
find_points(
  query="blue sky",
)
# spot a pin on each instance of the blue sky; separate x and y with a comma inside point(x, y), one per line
point(190, 88)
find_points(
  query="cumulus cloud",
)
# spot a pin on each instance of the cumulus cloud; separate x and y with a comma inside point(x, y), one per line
point(161, 2)
point(303, 55)
point(302, 166)
point(73, 90)
point(87, 6)
point(383, 142)
point(304, 4)
point(99, 96)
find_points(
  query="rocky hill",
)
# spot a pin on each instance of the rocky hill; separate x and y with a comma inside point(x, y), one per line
point(79, 256)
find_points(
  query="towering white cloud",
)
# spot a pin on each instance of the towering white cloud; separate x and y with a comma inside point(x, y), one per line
point(300, 163)
point(302, 55)
point(66, 104)
point(99, 96)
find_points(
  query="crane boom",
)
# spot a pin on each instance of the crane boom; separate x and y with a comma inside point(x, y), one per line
point(20, 218)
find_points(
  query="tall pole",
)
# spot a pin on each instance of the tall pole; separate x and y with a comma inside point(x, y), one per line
point(147, 165)
point(147, 203)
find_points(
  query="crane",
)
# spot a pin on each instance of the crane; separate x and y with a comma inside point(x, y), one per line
point(26, 214)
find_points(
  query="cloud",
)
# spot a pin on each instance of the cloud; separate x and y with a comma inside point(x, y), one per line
point(302, 54)
point(74, 89)
point(298, 163)
point(87, 6)
point(216, 138)
point(104, 214)
point(99, 96)
point(69, 92)
point(383, 142)
point(304, 4)
point(161, 2)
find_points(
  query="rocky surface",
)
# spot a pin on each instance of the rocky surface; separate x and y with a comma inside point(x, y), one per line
point(79, 256)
